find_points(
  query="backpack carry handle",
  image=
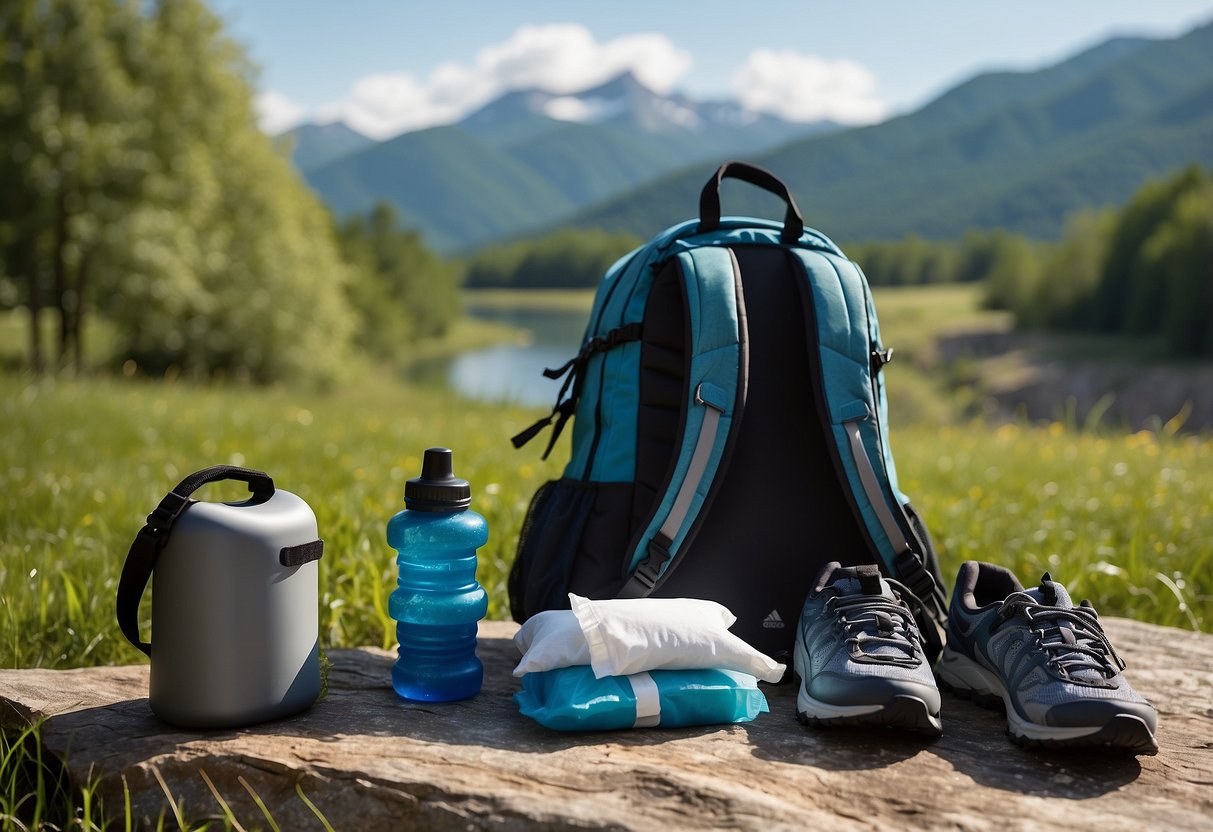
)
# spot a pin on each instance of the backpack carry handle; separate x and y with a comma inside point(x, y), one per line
point(151, 539)
point(709, 198)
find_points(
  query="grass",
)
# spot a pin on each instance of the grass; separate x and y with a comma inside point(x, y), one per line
point(83, 462)
point(37, 794)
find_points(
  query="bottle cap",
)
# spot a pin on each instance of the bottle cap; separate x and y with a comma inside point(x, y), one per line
point(437, 489)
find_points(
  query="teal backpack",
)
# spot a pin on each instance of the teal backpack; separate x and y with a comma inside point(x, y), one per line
point(730, 432)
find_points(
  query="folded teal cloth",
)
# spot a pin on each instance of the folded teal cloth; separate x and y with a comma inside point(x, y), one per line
point(571, 699)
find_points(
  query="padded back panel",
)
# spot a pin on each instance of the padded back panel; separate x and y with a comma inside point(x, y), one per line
point(780, 513)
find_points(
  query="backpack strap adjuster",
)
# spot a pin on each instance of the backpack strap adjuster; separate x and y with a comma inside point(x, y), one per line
point(648, 572)
point(912, 573)
point(160, 521)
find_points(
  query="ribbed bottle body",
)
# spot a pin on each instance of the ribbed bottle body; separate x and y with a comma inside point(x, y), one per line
point(437, 603)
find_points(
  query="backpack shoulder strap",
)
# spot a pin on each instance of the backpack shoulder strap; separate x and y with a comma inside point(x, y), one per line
point(844, 332)
point(716, 393)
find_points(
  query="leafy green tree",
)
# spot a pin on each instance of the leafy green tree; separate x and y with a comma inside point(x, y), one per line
point(1013, 272)
point(401, 290)
point(569, 258)
point(1128, 298)
point(231, 262)
point(137, 180)
point(1069, 274)
point(909, 261)
point(71, 117)
point(1179, 256)
point(975, 260)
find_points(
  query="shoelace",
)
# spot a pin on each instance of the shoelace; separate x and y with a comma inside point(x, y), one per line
point(876, 621)
point(1082, 646)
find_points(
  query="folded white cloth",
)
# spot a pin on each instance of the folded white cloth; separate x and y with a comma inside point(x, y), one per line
point(620, 637)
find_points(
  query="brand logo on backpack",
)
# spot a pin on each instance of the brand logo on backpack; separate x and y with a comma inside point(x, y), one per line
point(773, 621)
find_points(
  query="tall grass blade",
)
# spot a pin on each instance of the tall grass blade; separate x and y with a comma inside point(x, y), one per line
point(315, 811)
point(228, 815)
point(177, 813)
point(260, 804)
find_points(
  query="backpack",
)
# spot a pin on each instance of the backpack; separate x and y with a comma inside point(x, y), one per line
point(730, 433)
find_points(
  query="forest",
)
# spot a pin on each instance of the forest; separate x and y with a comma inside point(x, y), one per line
point(138, 188)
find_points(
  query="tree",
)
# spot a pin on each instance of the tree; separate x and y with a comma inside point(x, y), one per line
point(71, 115)
point(401, 290)
point(139, 180)
point(1070, 274)
point(1179, 256)
point(570, 258)
point(1128, 298)
point(1013, 272)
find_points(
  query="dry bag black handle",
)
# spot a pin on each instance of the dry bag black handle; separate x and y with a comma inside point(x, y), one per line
point(152, 537)
point(709, 198)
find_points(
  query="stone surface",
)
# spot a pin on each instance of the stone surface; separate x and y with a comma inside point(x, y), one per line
point(370, 761)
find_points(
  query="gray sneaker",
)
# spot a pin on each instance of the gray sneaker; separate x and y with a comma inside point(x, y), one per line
point(1044, 660)
point(859, 655)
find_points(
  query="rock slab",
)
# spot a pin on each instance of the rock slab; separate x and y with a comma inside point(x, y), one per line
point(369, 761)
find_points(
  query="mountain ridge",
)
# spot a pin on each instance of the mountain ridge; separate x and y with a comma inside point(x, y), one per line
point(963, 160)
point(625, 134)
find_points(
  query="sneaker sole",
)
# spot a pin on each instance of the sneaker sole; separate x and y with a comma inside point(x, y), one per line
point(903, 712)
point(968, 680)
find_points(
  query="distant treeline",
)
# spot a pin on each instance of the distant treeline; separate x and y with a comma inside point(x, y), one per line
point(1144, 270)
point(137, 188)
point(912, 260)
point(569, 259)
point(576, 258)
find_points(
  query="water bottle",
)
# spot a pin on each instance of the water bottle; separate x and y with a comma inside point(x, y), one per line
point(437, 600)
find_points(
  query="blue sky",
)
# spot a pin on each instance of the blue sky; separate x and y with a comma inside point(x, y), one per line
point(392, 66)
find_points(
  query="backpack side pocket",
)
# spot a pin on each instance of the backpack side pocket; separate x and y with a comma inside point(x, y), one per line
point(574, 538)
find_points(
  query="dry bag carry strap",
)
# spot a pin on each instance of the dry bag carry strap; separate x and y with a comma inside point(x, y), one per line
point(152, 537)
point(709, 198)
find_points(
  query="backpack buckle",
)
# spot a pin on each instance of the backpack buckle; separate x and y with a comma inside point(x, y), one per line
point(649, 570)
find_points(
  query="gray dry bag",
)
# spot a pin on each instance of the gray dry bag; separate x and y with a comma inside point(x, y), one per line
point(234, 610)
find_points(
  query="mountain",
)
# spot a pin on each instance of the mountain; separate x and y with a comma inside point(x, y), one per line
point(543, 155)
point(314, 145)
point(1014, 150)
point(626, 104)
point(444, 181)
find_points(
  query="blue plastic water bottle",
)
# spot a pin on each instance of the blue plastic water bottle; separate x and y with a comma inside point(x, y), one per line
point(437, 600)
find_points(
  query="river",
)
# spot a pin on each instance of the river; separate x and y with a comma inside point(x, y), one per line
point(512, 372)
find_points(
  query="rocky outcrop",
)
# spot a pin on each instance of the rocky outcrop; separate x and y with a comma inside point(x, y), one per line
point(369, 761)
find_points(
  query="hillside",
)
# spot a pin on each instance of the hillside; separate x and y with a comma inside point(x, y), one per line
point(444, 181)
point(1013, 150)
point(313, 145)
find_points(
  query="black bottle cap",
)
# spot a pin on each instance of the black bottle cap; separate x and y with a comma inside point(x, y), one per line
point(437, 489)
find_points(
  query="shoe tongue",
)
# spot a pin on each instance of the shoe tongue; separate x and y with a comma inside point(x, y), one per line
point(1051, 594)
point(860, 580)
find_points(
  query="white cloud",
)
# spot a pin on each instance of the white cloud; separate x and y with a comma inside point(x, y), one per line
point(277, 113)
point(559, 57)
point(806, 88)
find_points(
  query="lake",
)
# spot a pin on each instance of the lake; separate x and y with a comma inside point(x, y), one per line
point(512, 372)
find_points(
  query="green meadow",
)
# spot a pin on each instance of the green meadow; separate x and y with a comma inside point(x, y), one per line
point(1123, 519)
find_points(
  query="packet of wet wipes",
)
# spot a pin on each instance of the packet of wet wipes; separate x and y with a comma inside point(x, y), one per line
point(572, 699)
